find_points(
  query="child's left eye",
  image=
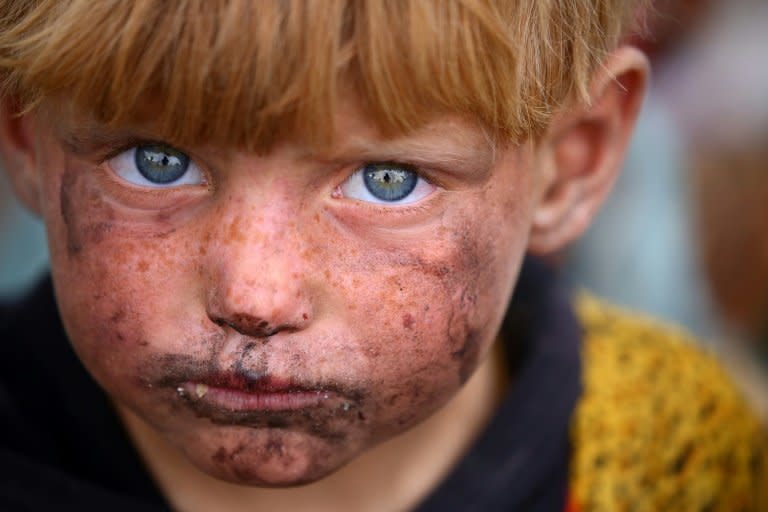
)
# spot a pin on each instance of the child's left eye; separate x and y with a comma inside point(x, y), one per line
point(156, 166)
point(386, 183)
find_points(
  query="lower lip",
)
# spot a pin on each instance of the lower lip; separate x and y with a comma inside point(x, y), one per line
point(237, 400)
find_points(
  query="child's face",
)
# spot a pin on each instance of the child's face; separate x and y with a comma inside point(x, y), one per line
point(265, 314)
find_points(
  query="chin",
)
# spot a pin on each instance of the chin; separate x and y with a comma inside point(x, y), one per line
point(267, 458)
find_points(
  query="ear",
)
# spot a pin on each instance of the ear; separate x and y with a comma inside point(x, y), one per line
point(18, 153)
point(579, 157)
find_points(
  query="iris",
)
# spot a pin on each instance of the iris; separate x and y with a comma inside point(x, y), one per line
point(389, 182)
point(161, 164)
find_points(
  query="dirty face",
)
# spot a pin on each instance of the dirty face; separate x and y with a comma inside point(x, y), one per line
point(275, 315)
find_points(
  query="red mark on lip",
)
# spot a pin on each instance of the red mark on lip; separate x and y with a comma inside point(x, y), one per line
point(238, 382)
point(408, 321)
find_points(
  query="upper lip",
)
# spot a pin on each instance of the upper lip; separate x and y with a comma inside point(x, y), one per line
point(262, 384)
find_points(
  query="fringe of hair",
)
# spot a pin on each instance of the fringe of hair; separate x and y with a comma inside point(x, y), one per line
point(248, 74)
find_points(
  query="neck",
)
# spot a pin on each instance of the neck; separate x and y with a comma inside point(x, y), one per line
point(395, 475)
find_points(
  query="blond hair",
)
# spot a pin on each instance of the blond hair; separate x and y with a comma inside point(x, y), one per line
point(247, 73)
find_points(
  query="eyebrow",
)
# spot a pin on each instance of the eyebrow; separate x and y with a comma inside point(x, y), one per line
point(84, 141)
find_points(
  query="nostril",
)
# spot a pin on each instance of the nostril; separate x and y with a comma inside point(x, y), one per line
point(248, 325)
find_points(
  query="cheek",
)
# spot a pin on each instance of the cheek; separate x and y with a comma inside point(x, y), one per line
point(425, 314)
point(111, 284)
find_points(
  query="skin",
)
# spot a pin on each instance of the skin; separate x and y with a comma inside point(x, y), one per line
point(267, 270)
point(390, 319)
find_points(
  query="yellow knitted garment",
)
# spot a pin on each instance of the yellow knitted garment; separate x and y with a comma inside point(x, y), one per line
point(660, 426)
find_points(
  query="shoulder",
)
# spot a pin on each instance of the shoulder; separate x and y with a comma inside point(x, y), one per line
point(659, 422)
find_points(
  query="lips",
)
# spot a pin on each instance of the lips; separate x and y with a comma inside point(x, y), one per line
point(252, 398)
point(238, 393)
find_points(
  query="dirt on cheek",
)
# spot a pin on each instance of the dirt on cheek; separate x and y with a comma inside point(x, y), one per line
point(463, 286)
point(85, 216)
point(68, 212)
point(441, 296)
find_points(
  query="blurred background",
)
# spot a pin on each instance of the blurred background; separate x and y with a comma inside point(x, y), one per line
point(684, 237)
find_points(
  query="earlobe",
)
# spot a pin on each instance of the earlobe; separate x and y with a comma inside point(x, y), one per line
point(18, 155)
point(580, 156)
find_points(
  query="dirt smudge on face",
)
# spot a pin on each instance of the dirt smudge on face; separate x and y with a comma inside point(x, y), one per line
point(467, 356)
point(462, 280)
point(220, 457)
point(91, 207)
point(330, 420)
point(67, 208)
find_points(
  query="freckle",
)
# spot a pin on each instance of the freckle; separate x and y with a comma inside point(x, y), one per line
point(234, 234)
point(308, 253)
point(117, 317)
point(143, 266)
point(317, 217)
point(408, 321)
point(327, 274)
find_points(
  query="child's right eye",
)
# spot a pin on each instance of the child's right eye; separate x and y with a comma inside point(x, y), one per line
point(156, 166)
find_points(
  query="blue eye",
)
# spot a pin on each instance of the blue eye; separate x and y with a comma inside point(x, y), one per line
point(156, 166)
point(161, 164)
point(386, 183)
point(389, 183)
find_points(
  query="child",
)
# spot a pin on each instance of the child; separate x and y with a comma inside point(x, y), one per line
point(283, 239)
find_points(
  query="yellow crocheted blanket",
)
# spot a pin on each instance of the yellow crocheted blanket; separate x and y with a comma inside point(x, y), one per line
point(660, 426)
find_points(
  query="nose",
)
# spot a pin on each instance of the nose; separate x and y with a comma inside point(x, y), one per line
point(257, 276)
